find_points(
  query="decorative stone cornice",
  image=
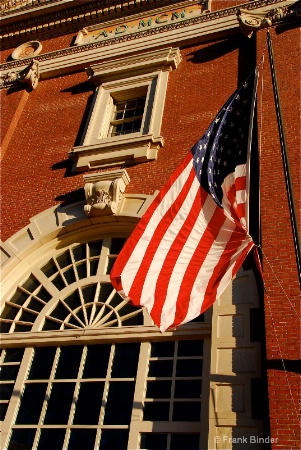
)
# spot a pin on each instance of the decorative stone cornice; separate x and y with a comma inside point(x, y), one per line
point(253, 20)
point(104, 191)
point(28, 76)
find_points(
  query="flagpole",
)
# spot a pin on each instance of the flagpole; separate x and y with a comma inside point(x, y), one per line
point(285, 160)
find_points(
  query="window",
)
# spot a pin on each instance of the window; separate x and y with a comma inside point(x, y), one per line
point(124, 125)
point(92, 371)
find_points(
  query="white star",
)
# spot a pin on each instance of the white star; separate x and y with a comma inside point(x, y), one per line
point(197, 160)
point(238, 113)
point(225, 163)
point(217, 120)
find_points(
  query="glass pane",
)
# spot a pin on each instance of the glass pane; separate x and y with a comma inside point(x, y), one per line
point(31, 403)
point(4, 327)
point(64, 260)
point(97, 359)
point(110, 264)
point(69, 362)
point(116, 245)
point(49, 269)
point(42, 363)
point(189, 368)
point(51, 439)
point(27, 317)
point(156, 411)
point(59, 404)
point(81, 270)
point(82, 440)
point(50, 325)
point(154, 441)
point(31, 284)
point(114, 439)
point(88, 403)
point(158, 389)
point(22, 439)
point(95, 248)
point(35, 305)
point(9, 372)
point(89, 293)
point(188, 389)
point(79, 252)
point(44, 295)
point(133, 321)
point(73, 300)
point(185, 441)
point(125, 360)
point(9, 312)
point(58, 282)
point(160, 368)
point(69, 276)
point(93, 267)
point(19, 297)
point(105, 291)
point(6, 390)
point(119, 403)
point(60, 312)
point(190, 348)
point(3, 409)
point(13, 355)
point(187, 411)
point(162, 349)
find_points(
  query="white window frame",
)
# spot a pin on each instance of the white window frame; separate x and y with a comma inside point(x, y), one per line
point(144, 74)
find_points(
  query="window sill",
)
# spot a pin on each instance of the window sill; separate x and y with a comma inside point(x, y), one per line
point(120, 150)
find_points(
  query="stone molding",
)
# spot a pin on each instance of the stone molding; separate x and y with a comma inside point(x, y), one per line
point(253, 20)
point(28, 76)
point(223, 21)
point(104, 191)
point(162, 59)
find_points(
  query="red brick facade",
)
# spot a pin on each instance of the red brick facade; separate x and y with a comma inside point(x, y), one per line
point(39, 128)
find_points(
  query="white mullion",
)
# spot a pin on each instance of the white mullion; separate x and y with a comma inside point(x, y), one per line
point(139, 395)
point(74, 262)
point(105, 250)
point(93, 309)
point(102, 309)
point(83, 306)
point(172, 390)
point(87, 260)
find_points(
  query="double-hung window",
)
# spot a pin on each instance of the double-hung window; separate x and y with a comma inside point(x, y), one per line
point(124, 125)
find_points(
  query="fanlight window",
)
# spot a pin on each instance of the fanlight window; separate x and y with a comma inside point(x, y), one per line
point(122, 385)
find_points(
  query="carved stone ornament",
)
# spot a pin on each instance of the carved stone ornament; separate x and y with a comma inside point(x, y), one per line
point(104, 191)
point(28, 76)
point(27, 50)
point(253, 20)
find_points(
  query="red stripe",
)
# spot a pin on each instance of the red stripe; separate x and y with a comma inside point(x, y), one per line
point(197, 259)
point(221, 268)
point(158, 235)
point(172, 257)
point(133, 240)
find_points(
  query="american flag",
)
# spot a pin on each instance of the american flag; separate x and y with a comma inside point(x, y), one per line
point(193, 238)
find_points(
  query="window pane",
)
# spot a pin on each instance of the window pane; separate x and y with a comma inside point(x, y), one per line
point(189, 368)
point(158, 389)
point(188, 388)
point(119, 403)
point(13, 355)
point(22, 439)
point(64, 260)
point(162, 349)
point(52, 439)
point(9, 372)
point(60, 400)
point(95, 248)
point(31, 284)
point(160, 368)
point(114, 439)
point(185, 441)
point(42, 363)
point(190, 348)
point(116, 246)
point(187, 411)
point(3, 409)
point(82, 440)
point(6, 390)
point(31, 403)
point(68, 362)
point(88, 403)
point(156, 411)
point(97, 359)
point(125, 360)
point(154, 441)
point(79, 252)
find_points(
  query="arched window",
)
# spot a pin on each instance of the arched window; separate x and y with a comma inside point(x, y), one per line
point(81, 368)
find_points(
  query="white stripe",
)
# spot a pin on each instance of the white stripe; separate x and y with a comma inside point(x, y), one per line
point(132, 266)
point(155, 268)
point(212, 259)
point(176, 279)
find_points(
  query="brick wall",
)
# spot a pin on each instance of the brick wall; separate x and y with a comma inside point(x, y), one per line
point(282, 296)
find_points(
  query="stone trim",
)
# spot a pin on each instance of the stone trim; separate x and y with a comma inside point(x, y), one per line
point(28, 76)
